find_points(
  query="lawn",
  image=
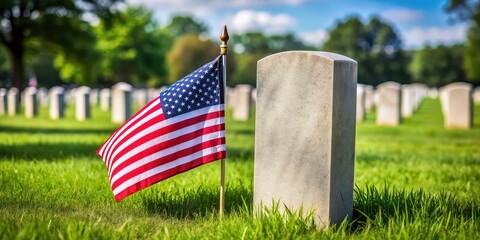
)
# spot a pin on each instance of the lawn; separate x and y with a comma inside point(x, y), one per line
point(415, 181)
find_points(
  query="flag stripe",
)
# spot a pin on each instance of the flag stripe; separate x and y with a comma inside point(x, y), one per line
point(160, 160)
point(145, 151)
point(144, 134)
point(217, 150)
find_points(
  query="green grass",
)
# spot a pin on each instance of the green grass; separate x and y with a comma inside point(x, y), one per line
point(416, 181)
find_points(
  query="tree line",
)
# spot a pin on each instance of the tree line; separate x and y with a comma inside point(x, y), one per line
point(53, 41)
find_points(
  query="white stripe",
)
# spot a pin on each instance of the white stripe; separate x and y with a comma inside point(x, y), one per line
point(160, 154)
point(109, 157)
point(167, 166)
point(113, 137)
point(158, 140)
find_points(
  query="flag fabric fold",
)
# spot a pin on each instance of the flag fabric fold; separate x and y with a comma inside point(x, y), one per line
point(182, 128)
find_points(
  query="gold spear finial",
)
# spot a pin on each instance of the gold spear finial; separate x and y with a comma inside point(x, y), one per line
point(224, 37)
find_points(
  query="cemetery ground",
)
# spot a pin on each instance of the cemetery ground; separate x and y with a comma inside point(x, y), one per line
point(415, 181)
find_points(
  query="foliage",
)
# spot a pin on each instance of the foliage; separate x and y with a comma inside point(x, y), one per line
point(188, 53)
point(246, 72)
point(466, 10)
point(183, 24)
point(133, 48)
point(4, 67)
point(438, 66)
point(57, 22)
point(376, 47)
point(259, 43)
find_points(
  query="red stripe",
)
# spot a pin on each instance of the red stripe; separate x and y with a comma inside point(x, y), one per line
point(169, 173)
point(172, 157)
point(162, 146)
point(157, 133)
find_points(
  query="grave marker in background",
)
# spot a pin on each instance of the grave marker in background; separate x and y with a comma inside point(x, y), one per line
point(389, 104)
point(12, 101)
point(57, 103)
point(3, 101)
point(82, 103)
point(121, 102)
point(242, 102)
point(457, 105)
point(31, 103)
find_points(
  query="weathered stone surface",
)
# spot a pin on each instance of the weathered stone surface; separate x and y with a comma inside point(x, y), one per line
point(242, 102)
point(31, 103)
point(13, 104)
point(457, 105)
point(82, 103)
point(57, 103)
point(389, 104)
point(305, 133)
point(121, 102)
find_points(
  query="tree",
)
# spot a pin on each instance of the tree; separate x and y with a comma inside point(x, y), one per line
point(134, 48)
point(375, 46)
point(469, 11)
point(438, 66)
point(48, 20)
point(190, 52)
point(184, 24)
point(258, 43)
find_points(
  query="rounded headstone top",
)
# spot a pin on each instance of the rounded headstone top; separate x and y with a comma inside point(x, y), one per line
point(31, 90)
point(243, 87)
point(390, 84)
point(457, 85)
point(82, 89)
point(122, 86)
point(3, 91)
point(57, 90)
point(13, 90)
point(325, 55)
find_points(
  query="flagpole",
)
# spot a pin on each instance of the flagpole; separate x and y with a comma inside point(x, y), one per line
point(223, 51)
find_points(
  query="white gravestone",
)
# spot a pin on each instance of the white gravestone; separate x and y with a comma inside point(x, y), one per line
point(57, 103)
point(105, 99)
point(408, 100)
point(243, 102)
point(389, 104)
point(94, 97)
point(82, 103)
point(12, 100)
point(31, 103)
point(121, 102)
point(3, 101)
point(361, 108)
point(305, 133)
point(368, 98)
point(476, 95)
point(457, 103)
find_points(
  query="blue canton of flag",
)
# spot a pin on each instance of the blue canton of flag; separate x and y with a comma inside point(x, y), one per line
point(199, 89)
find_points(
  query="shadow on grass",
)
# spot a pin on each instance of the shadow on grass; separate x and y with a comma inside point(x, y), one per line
point(34, 130)
point(48, 151)
point(373, 207)
point(197, 203)
point(240, 153)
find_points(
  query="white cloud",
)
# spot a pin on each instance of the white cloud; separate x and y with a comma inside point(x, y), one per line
point(315, 38)
point(249, 20)
point(401, 15)
point(416, 37)
point(205, 7)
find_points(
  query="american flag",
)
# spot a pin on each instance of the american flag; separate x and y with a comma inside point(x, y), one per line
point(181, 129)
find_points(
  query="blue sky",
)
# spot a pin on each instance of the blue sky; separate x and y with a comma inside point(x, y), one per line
point(418, 22)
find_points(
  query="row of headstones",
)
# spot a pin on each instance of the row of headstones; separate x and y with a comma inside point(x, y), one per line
point(118, 99)
point(395, 102)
